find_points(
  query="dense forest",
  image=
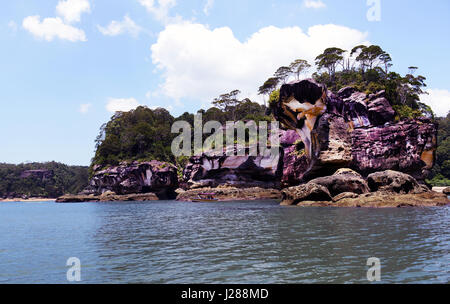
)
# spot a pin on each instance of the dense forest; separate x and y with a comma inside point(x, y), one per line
point(48, 180)
point(441, 171)
point(145, 134)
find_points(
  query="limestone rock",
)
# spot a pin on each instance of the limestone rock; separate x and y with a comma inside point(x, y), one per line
point(232, 194)
point(207, 170)
point(350, 129)
point(344, 180)
point(138, 177)
point(393, 182)
point(305, 192)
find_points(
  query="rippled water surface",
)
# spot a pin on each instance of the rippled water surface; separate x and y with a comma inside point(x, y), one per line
point(257, 242)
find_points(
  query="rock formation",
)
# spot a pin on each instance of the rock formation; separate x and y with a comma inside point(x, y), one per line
point(155, 177)
point(232, 194)
point(237, 171)
point(387, 189)
point(350, 129)
point(43, 175)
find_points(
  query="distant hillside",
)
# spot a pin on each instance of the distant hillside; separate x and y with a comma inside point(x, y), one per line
point(48, 180)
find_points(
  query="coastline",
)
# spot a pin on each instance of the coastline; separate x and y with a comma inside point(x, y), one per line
point(28, 200)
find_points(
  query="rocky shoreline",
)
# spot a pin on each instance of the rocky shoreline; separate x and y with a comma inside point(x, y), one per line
point(344, 149)
point(232, 194)
point(107, 197)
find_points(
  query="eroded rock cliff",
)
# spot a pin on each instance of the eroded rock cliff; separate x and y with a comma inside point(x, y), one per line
point(155, 177)
point(350, 129)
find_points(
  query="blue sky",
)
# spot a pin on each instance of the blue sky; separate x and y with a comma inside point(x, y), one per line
point(66, 65)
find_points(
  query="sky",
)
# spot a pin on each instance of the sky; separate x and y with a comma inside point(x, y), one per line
point(67, 65)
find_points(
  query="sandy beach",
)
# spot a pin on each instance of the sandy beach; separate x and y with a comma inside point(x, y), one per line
point(29, 200)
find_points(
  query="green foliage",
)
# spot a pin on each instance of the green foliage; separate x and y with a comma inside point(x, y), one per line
point(406, 112)
point(141, 134)
point(65, 180)
point(274, 96)
point(441, 171)
point(329, 60)
point(144, 134)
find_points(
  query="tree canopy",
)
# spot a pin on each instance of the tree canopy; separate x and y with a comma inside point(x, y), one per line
point(62, 179)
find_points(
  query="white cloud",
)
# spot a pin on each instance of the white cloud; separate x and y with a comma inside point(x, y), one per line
point(208, 6)
point(316, 4)
point(160, 9)
point(71, 10)
point(121, 104)
point(200, 63)
point(84, 108)
point(127, 25)
point(51, 28)
point(438, 100)
point(167, 107)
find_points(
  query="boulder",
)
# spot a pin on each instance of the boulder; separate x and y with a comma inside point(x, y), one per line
point(446, 191)
point(305, 192)
point(345, 195)
point(344, 180)
point(394, 182)
point(385, 200)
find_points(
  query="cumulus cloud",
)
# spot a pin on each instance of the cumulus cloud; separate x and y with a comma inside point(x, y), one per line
point(208, 6)
point(438, 100)
point(59, 27)
point(71, 10)
point(200, 63)
point(316, 4)
point(121, 104)
point(127, 25)
point(51, 28)
point(84, 108)
point(160, 9)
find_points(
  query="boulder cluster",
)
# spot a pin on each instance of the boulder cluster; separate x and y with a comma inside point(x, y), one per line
point(347, 188)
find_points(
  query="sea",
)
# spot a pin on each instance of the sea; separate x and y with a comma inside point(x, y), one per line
point(234, 242)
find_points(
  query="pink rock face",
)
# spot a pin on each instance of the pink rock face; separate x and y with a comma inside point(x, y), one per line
point(406, 146)
point(238, 171)
point(356, 131)
point(289, 137)
point(294, 167)
point(138, 177)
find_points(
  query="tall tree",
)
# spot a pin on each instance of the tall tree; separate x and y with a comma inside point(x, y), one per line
point(299, 67)
point(228, 102)
point(283, 74)
point(371, 57)
point(268, 87)
point(329, 60)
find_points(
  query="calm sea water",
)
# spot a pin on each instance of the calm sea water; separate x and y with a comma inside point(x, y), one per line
point(258, 242)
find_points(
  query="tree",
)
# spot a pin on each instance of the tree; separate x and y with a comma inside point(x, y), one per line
point(299, 66)
point(228, 102)
point(268, 87)
point(283, 74)
point(371, 57)
point(386, 60)
point(329, 60)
